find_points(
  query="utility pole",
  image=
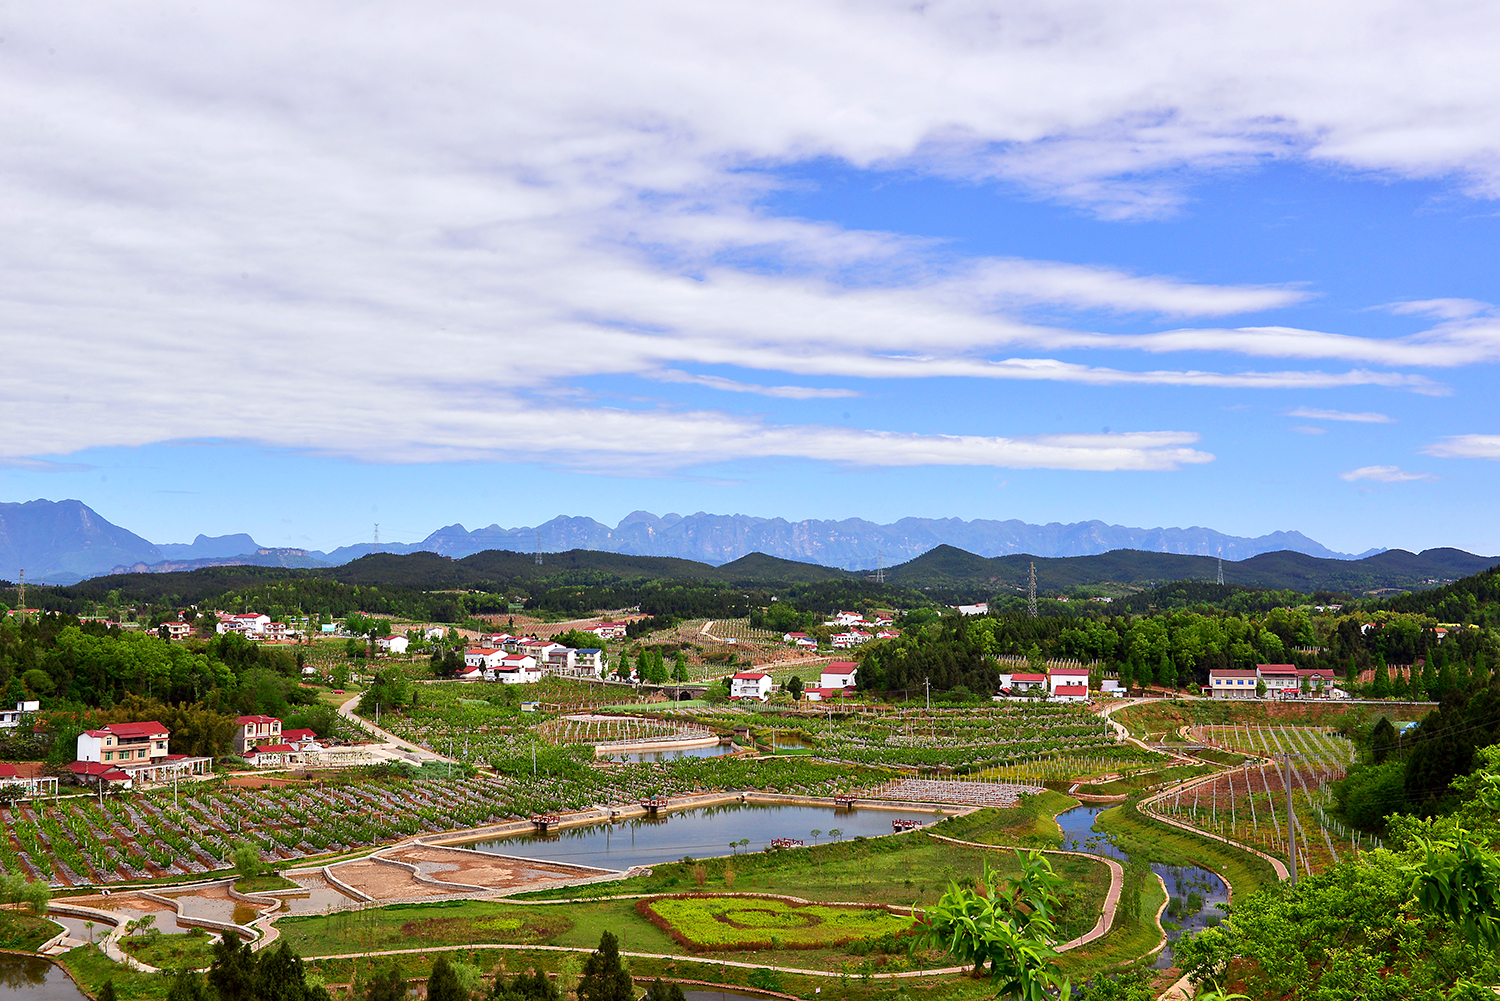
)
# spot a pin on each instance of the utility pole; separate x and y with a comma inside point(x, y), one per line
point(927, 683)
point(539, 547)
point(1291, 821)
point(1031, 593)
point(21, 596)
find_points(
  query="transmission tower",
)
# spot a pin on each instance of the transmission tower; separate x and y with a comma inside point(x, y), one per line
point(377, 537)
point(539, 547)
point(1221, 566)
point(1031, 594)
point(879, 567)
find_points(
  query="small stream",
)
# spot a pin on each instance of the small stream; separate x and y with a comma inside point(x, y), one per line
point(1182, 881)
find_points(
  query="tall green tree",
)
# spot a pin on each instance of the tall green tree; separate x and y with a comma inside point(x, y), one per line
point(442, 984)
point(604, 976)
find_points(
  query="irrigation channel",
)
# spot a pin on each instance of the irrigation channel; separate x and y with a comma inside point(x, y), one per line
point(701, 832)
point(1184, 883)
point(27, 978)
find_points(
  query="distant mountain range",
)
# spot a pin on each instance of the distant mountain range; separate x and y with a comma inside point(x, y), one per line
point(851, 544)
point(65, 541)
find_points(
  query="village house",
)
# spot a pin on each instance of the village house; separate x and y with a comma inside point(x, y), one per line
point(852, 638)
point(486, 658)
point(10, 718)
point(274, 756)
point(435, 633)
point(821, 694)
point(983, 608)
point(301, 740)
point(137, 750)
point(391, 644)
point(1068, 677)
point(249, 731)
point(609, 630)
point(248, 624)
point(30, 782)
point(471, 672)
point(177, 630)
point(275, 631)
point(515, 669)
point(1232, 684)
point(1281, 679)
point(839, 674)
point(1022, 684)
point(849, 619)
point(750, 685)
point(793, 637)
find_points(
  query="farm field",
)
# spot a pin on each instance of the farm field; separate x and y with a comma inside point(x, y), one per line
point(1249, 804)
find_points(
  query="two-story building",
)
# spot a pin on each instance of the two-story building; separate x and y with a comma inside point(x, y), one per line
point(839, 674)
point(391, 644)
point(515, 669)
point(1233, 683)
point(251, 731)
point(609, 630)
point(177, 630)
point(11, 718)
point(1022, 685)
point(750, 685)
point(485, 658)
point(139, 750)
point(1068, 677)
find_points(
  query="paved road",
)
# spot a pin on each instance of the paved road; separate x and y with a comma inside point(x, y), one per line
point(391, 747)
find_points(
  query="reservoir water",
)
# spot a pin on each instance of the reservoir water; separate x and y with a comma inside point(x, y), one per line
point(669, 754)
point(1183, 882)
point(27, 978)
point(701, 833)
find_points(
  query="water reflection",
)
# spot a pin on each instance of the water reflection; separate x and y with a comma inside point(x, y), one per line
point(28, 978)
point(671, 753)
point(701, 833)
point(1200, 894)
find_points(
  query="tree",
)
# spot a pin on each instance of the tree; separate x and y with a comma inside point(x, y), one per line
point(247, 861)
point(388, 985)
point(107, 992)
point(1380, 687)
point(1382, 740)
point(533, 986)
point(442, 984)
point(679, 667)
point(187, 985)
point(1260, 688)
point(659, 991)
point(232, 972)
point(604, 976)
point(794, 688)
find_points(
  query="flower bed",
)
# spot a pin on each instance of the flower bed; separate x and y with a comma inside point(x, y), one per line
point(707, 923)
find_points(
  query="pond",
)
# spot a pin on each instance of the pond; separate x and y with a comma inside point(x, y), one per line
point(27, 978)
point(1188, 884)
point(702, 832)
point(669, 754)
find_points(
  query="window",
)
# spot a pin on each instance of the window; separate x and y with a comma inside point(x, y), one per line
point(109, 755)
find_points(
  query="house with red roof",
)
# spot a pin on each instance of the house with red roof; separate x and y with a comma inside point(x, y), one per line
point(750, 685)
point(29, 778)
point(1021, 685)
point(250, 731)
point(139, 750)
point(1070, 693)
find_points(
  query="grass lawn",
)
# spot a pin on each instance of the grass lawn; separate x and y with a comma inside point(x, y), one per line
point(1139, 834)
point(1127, 942)
point(748, 923)
point(259, 884)
point(23, 932)
point(190, 950)
point(92, 968)
point(1032, 822)
point(409, 926)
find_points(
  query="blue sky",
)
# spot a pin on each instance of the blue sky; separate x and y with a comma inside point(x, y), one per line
point(802, 260)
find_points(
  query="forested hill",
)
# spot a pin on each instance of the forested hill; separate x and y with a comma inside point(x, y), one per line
point(1474, 599)
point(1396, 569)
point(944, 574)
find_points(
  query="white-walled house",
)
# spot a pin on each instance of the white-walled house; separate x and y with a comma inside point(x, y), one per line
point(391, 644)
point(839, 674)
point(1067, 677)
point(12, 717)
point(1070, 693)
point(983, 608)
point(130, 752)
point(1233, 684)
point(609, 630)
point(487, 658)
point(750, 685)
point(1022, 684)
point(515, 669)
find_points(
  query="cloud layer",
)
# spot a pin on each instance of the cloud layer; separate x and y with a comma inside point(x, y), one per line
point(411, 238)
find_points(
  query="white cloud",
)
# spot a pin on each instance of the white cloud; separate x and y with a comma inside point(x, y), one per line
point(411, 243)
point(1308, 429)
point(1384, 474)
point(1443, 309)
point(732, 386)
point(1466, 446)
point(1340, 415)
